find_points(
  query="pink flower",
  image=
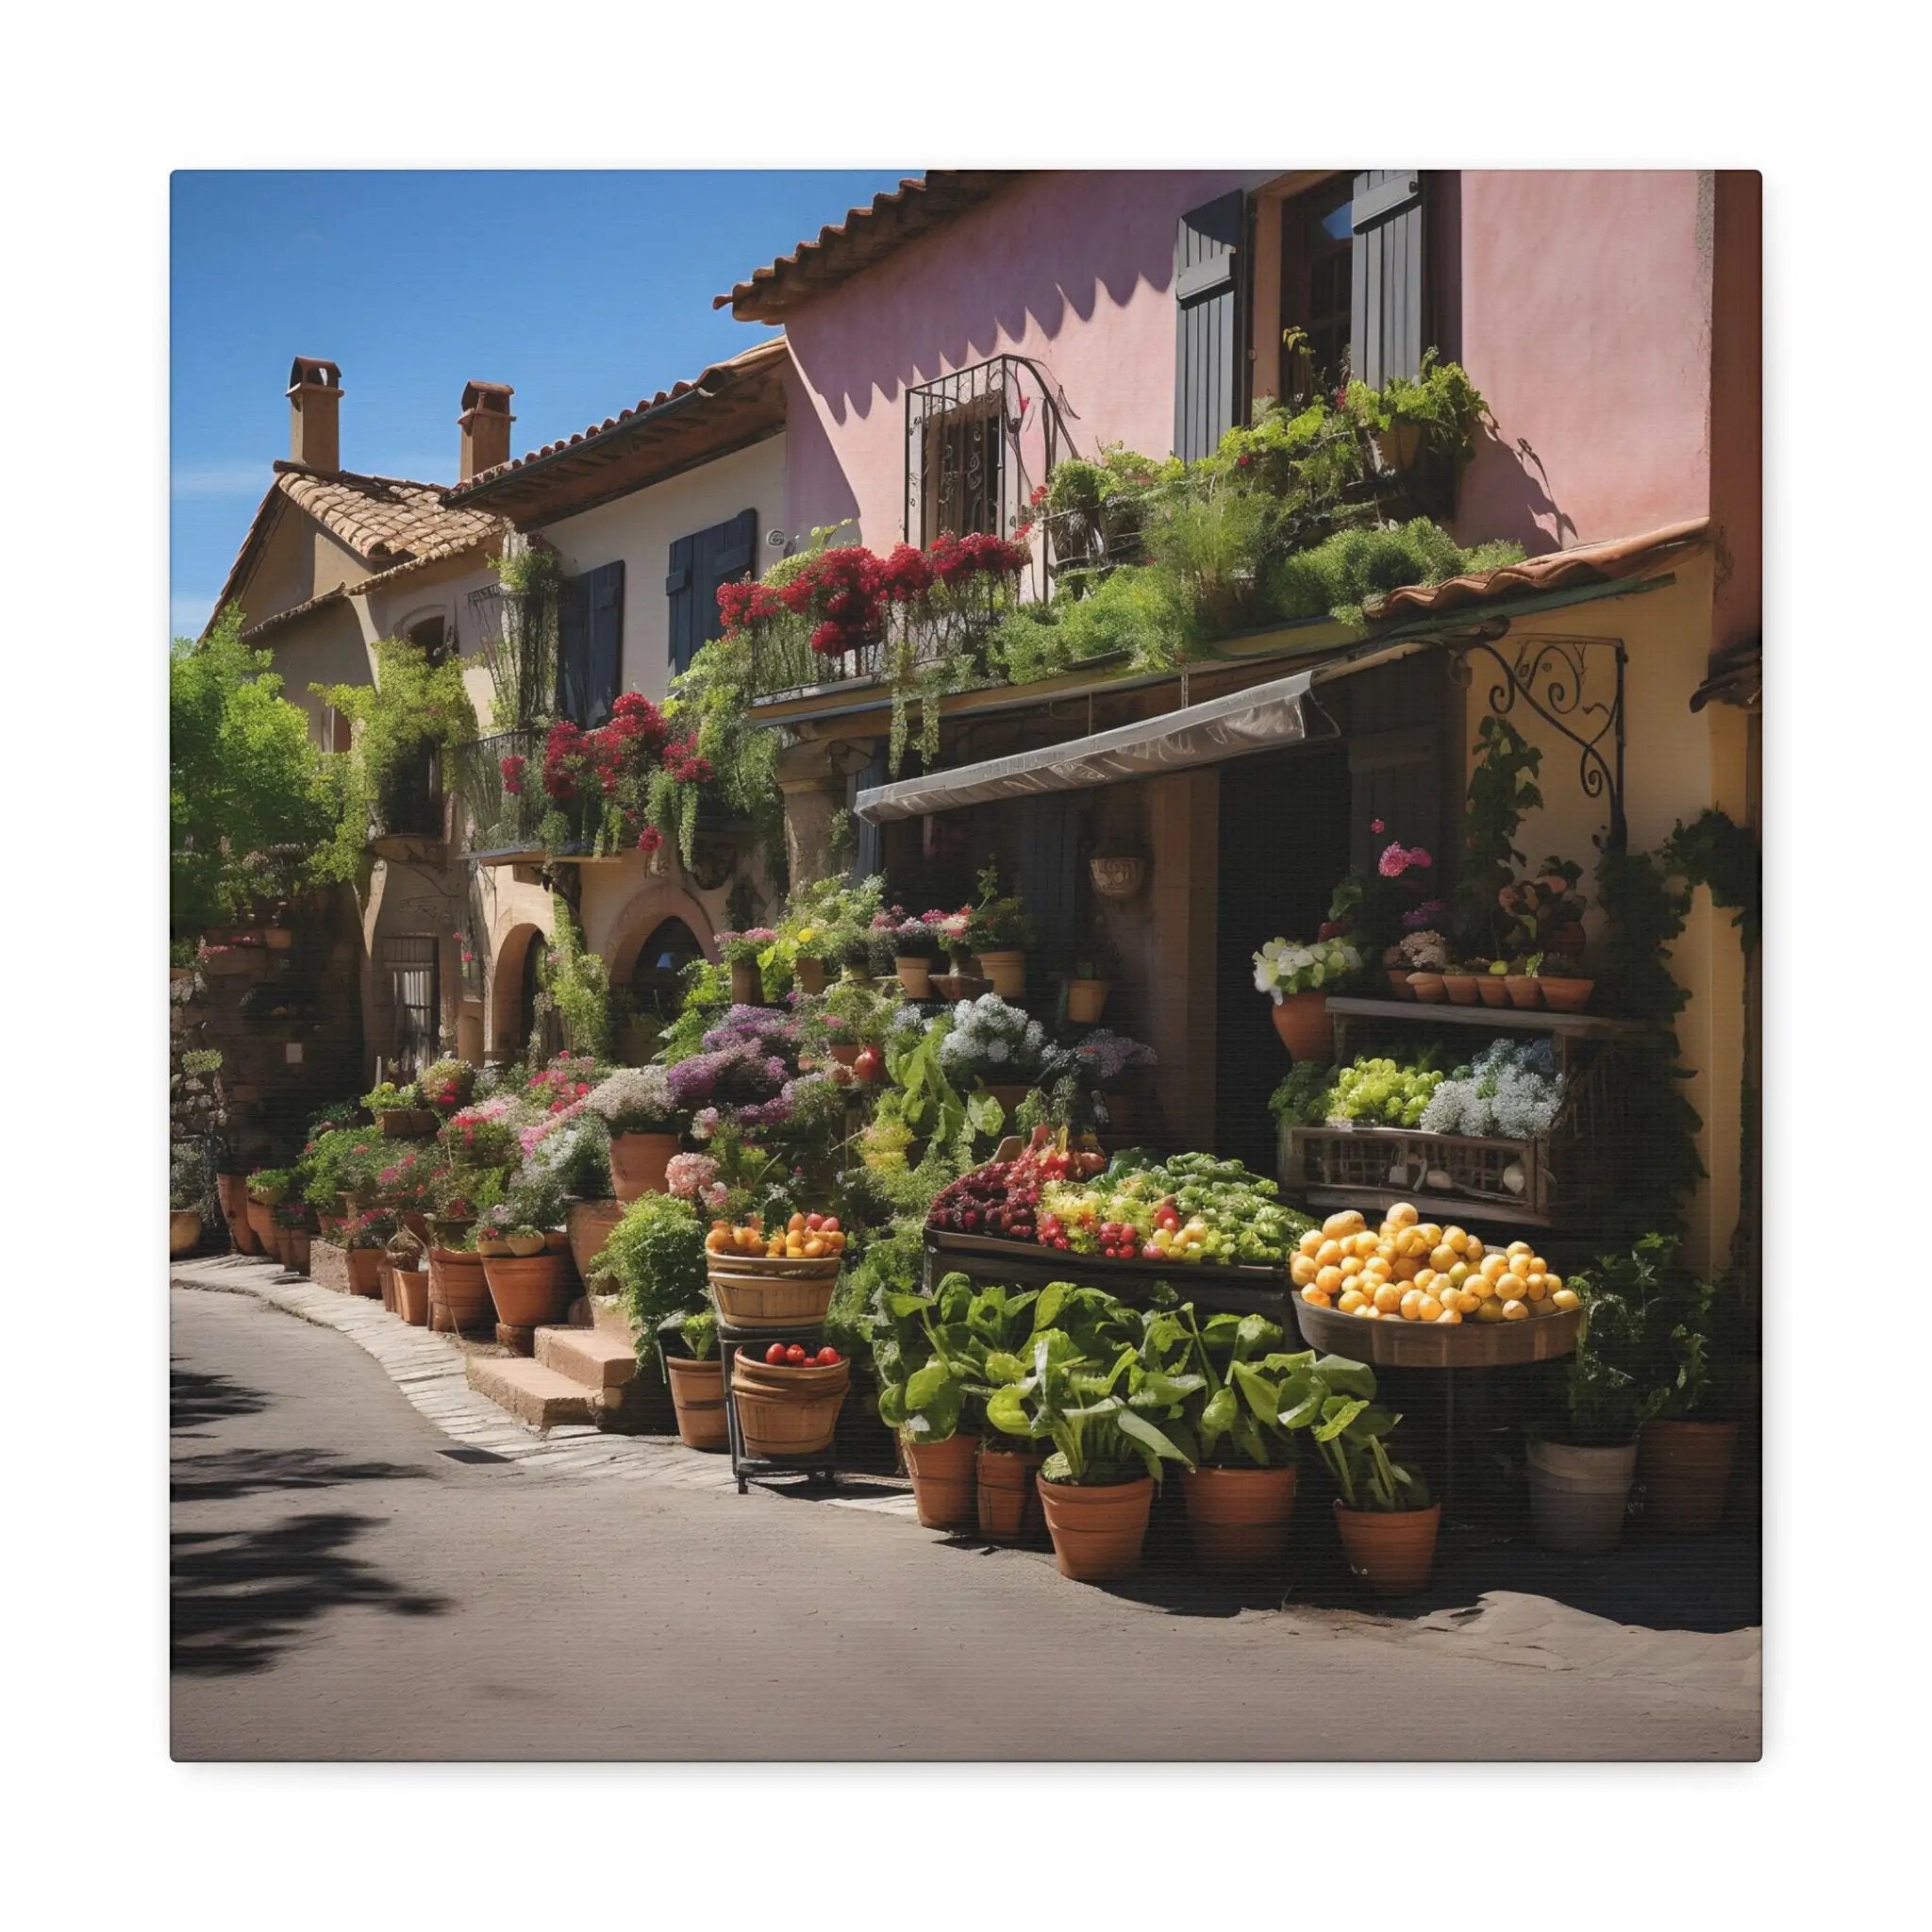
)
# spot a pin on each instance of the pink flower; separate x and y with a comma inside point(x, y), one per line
point(1392, 863)
point(1376, 826)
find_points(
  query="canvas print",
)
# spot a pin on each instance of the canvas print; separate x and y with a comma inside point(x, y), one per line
point(964, 965)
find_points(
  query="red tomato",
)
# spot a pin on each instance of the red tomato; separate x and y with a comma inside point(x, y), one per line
point(795, 1356)
point(774, 1354)
point(827, 1358)
point(870, 1064)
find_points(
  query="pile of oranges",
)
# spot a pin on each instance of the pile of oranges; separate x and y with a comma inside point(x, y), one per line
point(803, 1237)
point(1411, 1270)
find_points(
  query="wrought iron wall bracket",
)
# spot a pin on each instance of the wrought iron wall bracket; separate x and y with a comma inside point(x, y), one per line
point(1553, 678)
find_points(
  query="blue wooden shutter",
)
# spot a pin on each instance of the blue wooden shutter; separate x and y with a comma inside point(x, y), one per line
point(1387, 322)
point(699, 564)
point(1210, 366)
point(573, 649)
point(680, 595)
point(603, 652)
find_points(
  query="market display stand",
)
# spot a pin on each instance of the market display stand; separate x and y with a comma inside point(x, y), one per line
point(1024, 1264)
point(744, 1465)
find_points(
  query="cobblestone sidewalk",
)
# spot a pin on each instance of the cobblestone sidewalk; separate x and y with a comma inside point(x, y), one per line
point(428, 1369)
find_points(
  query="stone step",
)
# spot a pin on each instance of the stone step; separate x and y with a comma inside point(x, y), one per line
point(535, 1394)
point(595, 1358)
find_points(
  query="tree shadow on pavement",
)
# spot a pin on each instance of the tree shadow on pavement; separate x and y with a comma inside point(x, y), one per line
point(196, 1399)
point(248, 1471)
point(240, 1597)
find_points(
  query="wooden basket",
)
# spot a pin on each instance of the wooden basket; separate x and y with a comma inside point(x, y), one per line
point(1389, 1162)
point(408, 1122)
point(759, 1291)
point(1394, 1343)
point(784, 1412)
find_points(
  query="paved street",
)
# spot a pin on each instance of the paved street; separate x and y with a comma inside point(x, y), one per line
point(345, 1588)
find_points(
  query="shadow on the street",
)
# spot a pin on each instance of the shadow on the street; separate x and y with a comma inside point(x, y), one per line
point(248, 1471)
point(196, 1399)
point(241, 1596)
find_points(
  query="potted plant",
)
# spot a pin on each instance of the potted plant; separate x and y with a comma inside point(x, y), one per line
point(292, 1233)
point(1542, 913)
point(687, 1347)
point(266, 1187)
point(997, 1045)
point(928, 1353)
point(529, 1283)
point(857, 1017)
point(1000, 934)
point(917, 943)
point(1460, 984)
point(654, 1260)
point(366, 1235)
point(1104, 1416)
point(1294, 975)
point(641, 1114)
point(191, 1196)
point(1581, 1468)
point(1492, 983)
point(1239, 1490)
point(397, 1113)
point(747, 953)
point(1382, 1509)
point(1688, 1444)
point(1096, 970)
point(1520, 984)
point(446, 1086)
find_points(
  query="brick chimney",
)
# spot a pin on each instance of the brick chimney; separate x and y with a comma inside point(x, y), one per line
point(315, 394)
point(484, 424)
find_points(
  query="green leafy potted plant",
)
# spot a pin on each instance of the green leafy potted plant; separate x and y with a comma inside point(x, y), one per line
point(1688, 1444)
point(637, 1106)
point(1000, 934)
point(191, 1196)
point(748, 952)
point(1581, 1469)
point(926, 1356)
point(917, 943)
point(1298, 978)
point(1240, 1493)
point(1096, 968)
point(398, 1112)
point(1542, 914)
point(655, 1257)
point(1104, 1416)
point(1437, 410)
point(366, 1235)
point(1382, 1509)
point(688, 1349)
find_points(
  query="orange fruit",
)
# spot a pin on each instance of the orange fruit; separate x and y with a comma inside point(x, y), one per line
point(1352, 1302)
point(1330, 1280)
point(1428, 1310)
point(1388, 1298)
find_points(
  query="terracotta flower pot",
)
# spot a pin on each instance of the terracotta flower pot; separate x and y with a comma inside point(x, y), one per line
point(1492, 988)
point(1238, 1518)
point(296, 1255)
point(528, 1290)
point(1007, 1496)
point(524, 1245)
point(556, 1240)
point(386, 1286)
point(446, 1230)
point(1398, 983)
point(1007, 969)
point(1566, 995)
point(844, 1053)
point(809, 973)
point(261, 1224)
point(637, 1163)
point(412, 1295)
point(590, 1223)
point(1686, 1469)
point(1578, 1494)
point(1428, 987)
point(915, 975)
point(1097, 1528)
point(787, 1411)
point(747, 984)
point(1302, 1022)
point(365, 1271)
point(1522, 989)
point(1398, 446)
point(943, 1487)
point(1087, 1001)
point(1461, 988)
point(231, 1189)
point(1392, 1551)
point(278, 938)
point(458, 1291)
point(184, 1230)
point(697, 1399)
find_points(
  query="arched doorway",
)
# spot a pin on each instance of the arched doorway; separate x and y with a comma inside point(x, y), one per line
point(656, 976)
point(513, 992)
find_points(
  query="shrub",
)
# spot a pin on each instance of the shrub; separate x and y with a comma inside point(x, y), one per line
point(656, 1254)
point(1353, 568)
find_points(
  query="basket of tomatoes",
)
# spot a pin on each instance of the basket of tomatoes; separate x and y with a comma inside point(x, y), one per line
point(788, 1400)
point(778, 1278)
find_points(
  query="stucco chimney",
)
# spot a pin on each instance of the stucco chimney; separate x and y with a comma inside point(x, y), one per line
point(484, 424)
point(315, 394)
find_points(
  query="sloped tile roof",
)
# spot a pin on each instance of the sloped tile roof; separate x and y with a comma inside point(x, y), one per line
point(720, 379)
point(920, 204)
point(1585, 563)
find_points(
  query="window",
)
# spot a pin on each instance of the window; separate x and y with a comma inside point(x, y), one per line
point(409, 979)
point(699, 564)
point(1317, 291)
point(334, 731)
point(656, 979)
point(432, 638)
point(962, 464)
point(589, 657)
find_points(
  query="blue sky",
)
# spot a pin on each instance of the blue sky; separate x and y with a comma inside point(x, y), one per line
point(584, 291)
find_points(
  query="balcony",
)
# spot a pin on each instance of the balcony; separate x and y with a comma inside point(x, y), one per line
point(499, 786)
point(520, 634)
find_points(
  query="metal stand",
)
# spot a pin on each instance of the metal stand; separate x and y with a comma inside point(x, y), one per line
point(743, 1466)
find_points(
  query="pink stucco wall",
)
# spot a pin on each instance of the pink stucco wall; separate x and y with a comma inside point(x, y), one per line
point(1585, 323)
point(1072, 269)
point(1579, 301)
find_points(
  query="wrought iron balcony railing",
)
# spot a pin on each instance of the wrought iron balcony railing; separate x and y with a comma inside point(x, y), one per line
point(499, 787)
point(520, 636)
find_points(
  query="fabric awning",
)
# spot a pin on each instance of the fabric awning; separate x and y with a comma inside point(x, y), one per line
point(1264, 717)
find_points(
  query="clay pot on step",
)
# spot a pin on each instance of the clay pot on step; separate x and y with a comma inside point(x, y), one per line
point(261, 1224)
point(412, 1295)
point(1097, 1528)
point(637, 1163)
point(1492, 988)
point(528, 1290)
point(459, 1290)
point(1686, 1469)
point(231, 1189)
point(1238, 1518)
point(1087, 1001)
point(1428, 987)
point(915, 975)
point(1524, 989)
point(1578, 1494)
point(697, 1399)
point(1565, 995)
point(944, 1485)
point(365, 1276)
point(1392, 1551)
point(590, 1223)
point(1006, 1495)
point(1461, 988)
point(1007, 969)
point(1302, 1021)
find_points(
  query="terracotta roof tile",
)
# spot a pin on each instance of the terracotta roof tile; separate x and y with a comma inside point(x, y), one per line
point(1585, 563)
point(719, 377)
point(920, 204)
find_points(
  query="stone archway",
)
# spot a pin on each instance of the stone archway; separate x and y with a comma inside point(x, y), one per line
point(652, 906)
point(507, 1024)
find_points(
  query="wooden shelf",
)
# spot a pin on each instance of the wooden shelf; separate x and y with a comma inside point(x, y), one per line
point(1523, 1020)
point(1457, 1209)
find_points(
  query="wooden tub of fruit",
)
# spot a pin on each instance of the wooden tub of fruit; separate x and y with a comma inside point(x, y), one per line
point(783, 1279)
point(1411, 1293)
point(788, 1403)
